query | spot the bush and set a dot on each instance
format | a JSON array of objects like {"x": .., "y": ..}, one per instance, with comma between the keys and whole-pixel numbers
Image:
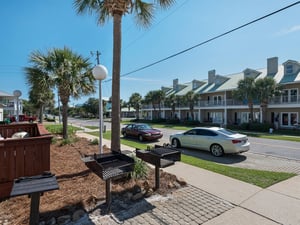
[
  {"x": 140, "y": 168},
  {"x": 95, "y": 141},
  {"x": 259, "y": 127},
  {"x": 68, "y": 141},
  {"x": 191, "y": 122}
]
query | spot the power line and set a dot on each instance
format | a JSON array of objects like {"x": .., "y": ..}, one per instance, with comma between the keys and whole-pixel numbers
[
  {"x": 209, "y": 40},
  {"x": 155, "y": 25}
]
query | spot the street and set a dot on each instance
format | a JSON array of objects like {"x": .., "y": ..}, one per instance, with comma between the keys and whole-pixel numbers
[{"x": 264, "y": 154}]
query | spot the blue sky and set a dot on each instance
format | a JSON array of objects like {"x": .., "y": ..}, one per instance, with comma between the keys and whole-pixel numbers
[{"x": 32, "y": 25}]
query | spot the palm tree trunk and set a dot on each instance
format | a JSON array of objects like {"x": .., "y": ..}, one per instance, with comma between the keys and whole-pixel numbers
[
  {"x": 115, "y": 128},
  {"x": 65, "y": 119},
  {"x": 250, "y": 105},
  {"x": 41, "y": 113}
]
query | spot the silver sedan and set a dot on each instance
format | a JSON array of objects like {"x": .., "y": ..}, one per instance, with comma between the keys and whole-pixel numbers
[{"x": 214, "y": 139}]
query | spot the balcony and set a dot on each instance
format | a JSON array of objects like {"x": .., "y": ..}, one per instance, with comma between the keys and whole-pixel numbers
[{"x": 279, "y": 100}]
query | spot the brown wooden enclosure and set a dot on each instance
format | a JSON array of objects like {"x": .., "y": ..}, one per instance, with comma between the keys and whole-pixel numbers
[{"x": 23, "y": 156}]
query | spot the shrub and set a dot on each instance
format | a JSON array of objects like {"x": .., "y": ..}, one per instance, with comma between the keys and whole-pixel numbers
[
  {"x": 140, "y": 168},
  {"x": 95, "y": 141}
]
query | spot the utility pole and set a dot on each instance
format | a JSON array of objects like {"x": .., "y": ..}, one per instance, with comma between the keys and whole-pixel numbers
[{"x": 97, "y": 56}]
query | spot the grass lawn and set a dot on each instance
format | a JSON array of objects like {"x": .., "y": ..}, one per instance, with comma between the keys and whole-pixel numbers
[
  {"x": 257, "y": 177},
  {"x": 276, "y": 137}
]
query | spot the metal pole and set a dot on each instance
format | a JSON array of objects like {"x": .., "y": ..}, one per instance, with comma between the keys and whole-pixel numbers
[
  {"x": 100, "y": 119},
  {"x": 18, "y": 105}
]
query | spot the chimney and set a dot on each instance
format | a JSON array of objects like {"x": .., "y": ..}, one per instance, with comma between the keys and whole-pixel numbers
[
  {"x": 175, "y": 84},
  {"x": 272, "y": 66},
  {"x": 211, "y": 76}
]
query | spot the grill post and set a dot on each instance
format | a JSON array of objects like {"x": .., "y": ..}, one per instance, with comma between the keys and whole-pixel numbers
[
  {"x": 108, "y": 194},
  {"x": 157, "y": 184},
  {"x": 160, "y": 157}
]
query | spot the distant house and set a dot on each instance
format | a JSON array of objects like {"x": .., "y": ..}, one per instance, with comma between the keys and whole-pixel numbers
[
  {"x": 9, "y": 104},
  {"x": 217, "y": 104},
  {"x": 1, "y": 112}
]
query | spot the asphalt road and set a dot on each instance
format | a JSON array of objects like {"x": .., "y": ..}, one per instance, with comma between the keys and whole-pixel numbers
[
  {"x": 277, "y": 148},
  {"x": 265, "y": 154}
]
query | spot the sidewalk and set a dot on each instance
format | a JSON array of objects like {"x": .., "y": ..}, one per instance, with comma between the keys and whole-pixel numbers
[{"x": 226, "y": 201}]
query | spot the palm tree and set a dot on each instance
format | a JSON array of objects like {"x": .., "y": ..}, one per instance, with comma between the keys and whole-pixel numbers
[
  {"x": 246, "y": 91},
  {"x": 64, "y": 70},
  {"x": 149, "y": 99},
  {"x": 170, "y": 101},
  {"x": 158, "y": 97},
  {"x": 191, "y": 98},
  {"x": 135, "y": 101},
  {"x": 266, "y": 88},
  {"x": 117, "y": 9},
  {"x": 39, "y": 95}
]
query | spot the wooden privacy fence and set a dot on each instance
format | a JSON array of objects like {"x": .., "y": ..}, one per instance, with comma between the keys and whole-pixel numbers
[{"x": 21, "y": 157}]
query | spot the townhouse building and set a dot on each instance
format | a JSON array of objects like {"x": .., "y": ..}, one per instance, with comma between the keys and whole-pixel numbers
[{"x": 217, "y": 104}]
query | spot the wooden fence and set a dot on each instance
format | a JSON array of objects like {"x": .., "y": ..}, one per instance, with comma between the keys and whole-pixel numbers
[{"x": 23, "y": 156}]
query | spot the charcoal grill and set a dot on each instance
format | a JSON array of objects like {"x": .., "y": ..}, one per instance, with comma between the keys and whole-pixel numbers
[
  {"x": 109, "y": 166},
  {"x": 160, "y": 157}
]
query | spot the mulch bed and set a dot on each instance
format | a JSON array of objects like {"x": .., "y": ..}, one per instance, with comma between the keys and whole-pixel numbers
[{"x": 79, "y": 188}]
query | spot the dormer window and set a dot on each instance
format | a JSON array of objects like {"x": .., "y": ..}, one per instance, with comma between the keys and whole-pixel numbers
[{"x": 289, "y": 69}]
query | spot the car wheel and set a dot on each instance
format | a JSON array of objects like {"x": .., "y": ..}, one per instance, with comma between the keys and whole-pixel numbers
[
  {"x": 216, "y": 150},
  {"x": 175, "y": 143},
  {"x": 141, "y": 138},
  {"x": 124, "y": 135}
]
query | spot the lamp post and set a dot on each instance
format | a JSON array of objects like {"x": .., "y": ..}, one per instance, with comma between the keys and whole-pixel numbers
[
  {"x": 17, "y": 94},
  {"x": 100, "y": 73}
]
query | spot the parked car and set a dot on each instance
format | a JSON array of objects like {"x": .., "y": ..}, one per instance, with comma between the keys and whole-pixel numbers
[
  {"x": 214, "y": 139},
  {"x": 142, "y": 131},
  {"x": 23, "y": 118}
]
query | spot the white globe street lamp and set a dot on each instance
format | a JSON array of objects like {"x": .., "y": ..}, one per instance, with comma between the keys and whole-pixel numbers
[
  {"x": 100, "y": 73},
  {"x": 17, "y": 94}
]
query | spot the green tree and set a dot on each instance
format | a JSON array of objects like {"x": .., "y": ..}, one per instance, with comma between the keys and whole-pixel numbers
[
  {"x": 135, "y": 102},
  {"x": 104, "y": 9},
  {"x": 65, "y": 71},
  {"x": 191, "y": 98},
  {"x": 40, "y": 94},
  {"x": 171, "y": 101},
  {"x": 266, "y": 88},
  {"x": 246, "y": 91},
  {"x": 158, "y": 97},
  {"x": 28, "y": 107},
  {"x": 91, "y": 106},
  {"x": 149, "y": 99}
]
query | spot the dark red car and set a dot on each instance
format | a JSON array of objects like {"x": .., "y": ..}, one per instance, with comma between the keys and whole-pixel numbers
[{"x": 143, "y": 132}]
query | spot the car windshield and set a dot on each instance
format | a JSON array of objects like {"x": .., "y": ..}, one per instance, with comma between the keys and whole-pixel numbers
[
  {"x": 227, "y": 131},
  {"x": 144, "y": 127}
]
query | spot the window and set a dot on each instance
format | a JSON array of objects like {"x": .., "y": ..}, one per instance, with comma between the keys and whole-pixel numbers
[
  {"x": 294, "y": 94},
  {"x": 204, "y": 132},
  {"x": 289, "y": 118},
  {"x": 290, "y": 95},
  {"x": 285, "y": 119},
  {"x": 289, "y": 69},
  {"x": 218, "y": 100},
  {"x": 285, "y": 95},
  {"x": 217, "y": 117},
  {"x": 192, "y": 132},
  {"x": 245, "y": 117},
  {"x": 293, "y": 118}
]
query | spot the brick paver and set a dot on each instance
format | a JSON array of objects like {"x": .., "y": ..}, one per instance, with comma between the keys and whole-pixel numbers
[{"x": 188, "y": 205}]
